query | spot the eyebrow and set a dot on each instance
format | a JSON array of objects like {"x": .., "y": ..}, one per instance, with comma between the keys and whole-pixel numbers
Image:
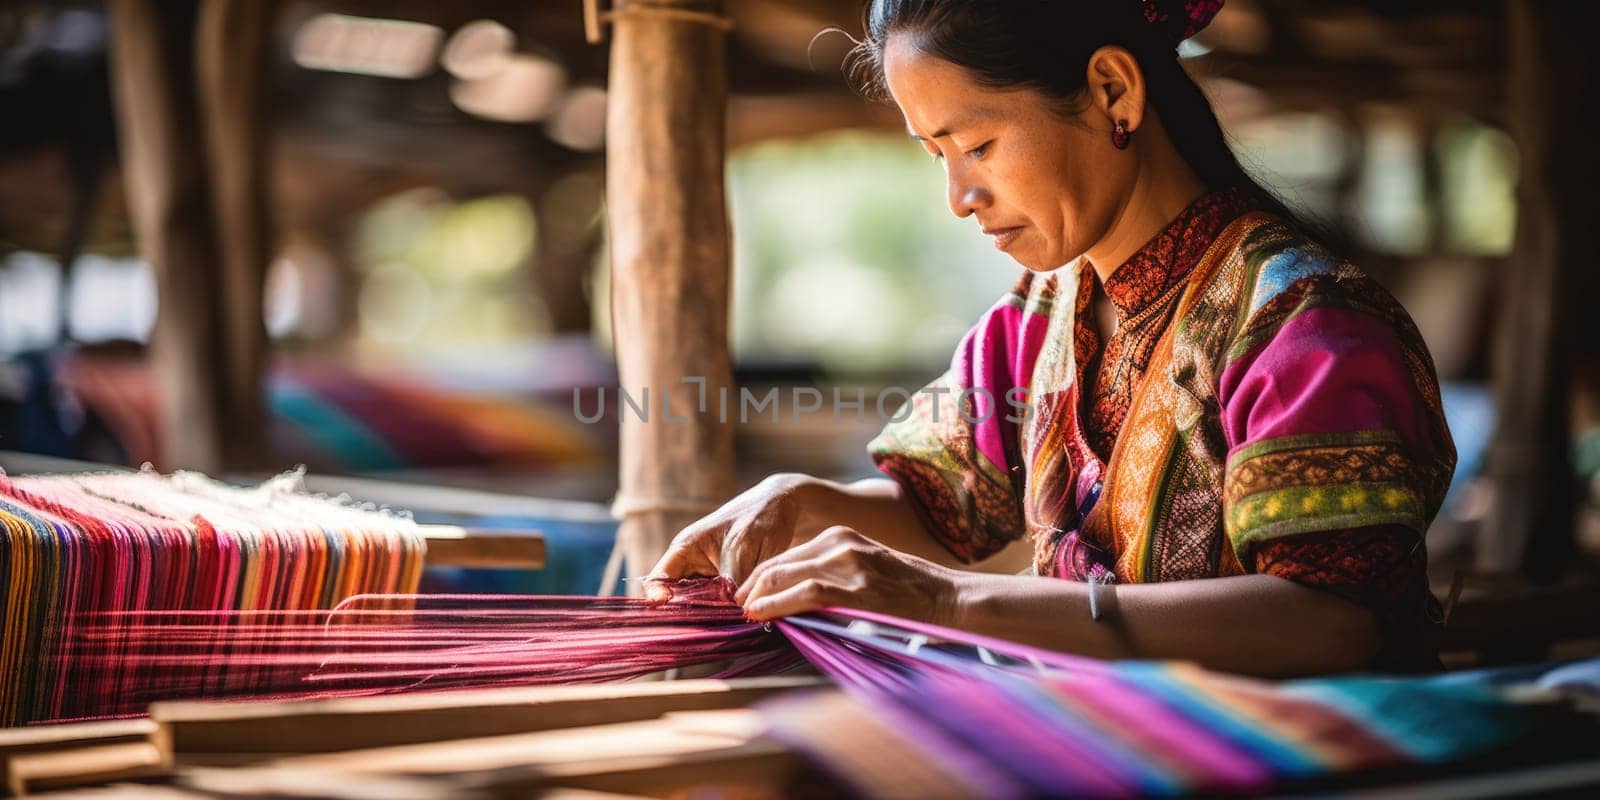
[{"x": 960, "y": 122}]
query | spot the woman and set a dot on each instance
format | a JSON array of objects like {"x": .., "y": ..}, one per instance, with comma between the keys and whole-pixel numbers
[{"x": 1234, "y": 442}]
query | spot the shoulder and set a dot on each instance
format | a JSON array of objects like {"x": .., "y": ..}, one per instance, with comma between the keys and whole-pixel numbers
[
  {"x": 1282, "y": 274},
  {"x": 1276, "y": 261}
]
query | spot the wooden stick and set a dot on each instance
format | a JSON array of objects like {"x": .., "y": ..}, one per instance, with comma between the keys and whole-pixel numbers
[
  {"x": 84, "y": 766},
  {"x": 453, "y": 546},
  {"x": 321, "y": 784},
  {"x": 36, "y": 738},
  {"x": 756, "y": 761},
  {"x": 75, "y": 754},
  {"x": 661, "y": 736},
  {"x": 678, "y": 751},
  {"x": 200, "y": 732}
]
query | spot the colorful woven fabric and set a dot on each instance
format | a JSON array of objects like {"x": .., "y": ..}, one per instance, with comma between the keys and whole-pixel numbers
[
  {"x": 968, "y": 716},
  {"x": 1256, "y": 391}
]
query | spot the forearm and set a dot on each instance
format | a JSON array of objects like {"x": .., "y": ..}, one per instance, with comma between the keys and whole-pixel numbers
[{"x": 1253, "y": 624}]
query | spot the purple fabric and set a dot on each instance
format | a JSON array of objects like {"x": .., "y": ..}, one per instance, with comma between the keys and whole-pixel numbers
[{"x": 1328, "y": 370}]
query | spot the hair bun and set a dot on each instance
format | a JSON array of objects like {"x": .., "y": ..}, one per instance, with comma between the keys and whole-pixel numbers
[{"x": 1179, "y": 19}]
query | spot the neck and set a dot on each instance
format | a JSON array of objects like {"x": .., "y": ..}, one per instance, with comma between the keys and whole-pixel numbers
[{"x": 1165, "y": 186}]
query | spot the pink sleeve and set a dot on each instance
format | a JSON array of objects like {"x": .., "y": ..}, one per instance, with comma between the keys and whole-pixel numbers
[{"x": 1332, "y": 422}]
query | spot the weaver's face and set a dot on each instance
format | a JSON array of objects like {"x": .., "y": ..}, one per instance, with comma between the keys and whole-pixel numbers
[{"x": 1042, "y": 185}]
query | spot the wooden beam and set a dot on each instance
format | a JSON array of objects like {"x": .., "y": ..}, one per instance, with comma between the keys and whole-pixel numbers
[
  {"x": 679, "y": 751},
  {"x": 188, "y": 123},
  {"x": 452, "y": 546},
  {"x": 1303, "y": 83},
  {"x": 152, "y": 69},
  {"x": 1541, "y": 332},
  {"x": 670, "y": 266},
  {"x": 215, "y": 783},
  {"x": 86, "y": 766},
  {"x": 760, "y": 767},
  {"x": 655, "y": 758},
  {"x": 233, "y": 54},
  {"x": 40, "y": 738},
  {"x": 243, "y": 732},
  {"x": 77, "y": 754}
]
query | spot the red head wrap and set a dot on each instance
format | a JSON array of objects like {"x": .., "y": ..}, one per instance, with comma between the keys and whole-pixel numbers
[{"x": 1180, "y": 19}]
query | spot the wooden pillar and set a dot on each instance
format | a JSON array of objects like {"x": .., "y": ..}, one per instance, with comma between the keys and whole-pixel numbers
[
  {"x": 233, "y": 44},
  {"x": 152, "y": 67},
  {"x": 171, "y": 97},
  {"x": 1552, "y": 64},
  {"x": 670, "y": 265}
]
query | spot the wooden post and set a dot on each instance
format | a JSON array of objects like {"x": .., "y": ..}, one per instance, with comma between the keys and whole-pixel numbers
[
  {"x": 206, "y": 363},
  {"x": 1551, "y": 81},
  {"x": 670, "y": 266},
  {"x": 233, "y": 50},
  {"x": 168, "y": 199}
]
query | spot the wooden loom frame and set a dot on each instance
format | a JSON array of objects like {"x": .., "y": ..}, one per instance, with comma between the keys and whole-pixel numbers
[{"x": 646, "y": 736}]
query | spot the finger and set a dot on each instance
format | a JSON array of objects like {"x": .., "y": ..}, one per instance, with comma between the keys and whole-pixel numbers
[
  {"x": 811, "y": 551},
  {"x": 756, "y": 538},
  {"x": 775, "y": 578},
  {"x": 843, "y": 566},
  {"x": 693, "y": 552},
  {"x": 809, "y": 594},
  {"x": 684, "y": 559}
]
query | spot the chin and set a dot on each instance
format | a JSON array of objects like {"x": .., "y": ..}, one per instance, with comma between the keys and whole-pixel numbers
[{"x": 1037, "y": 262}]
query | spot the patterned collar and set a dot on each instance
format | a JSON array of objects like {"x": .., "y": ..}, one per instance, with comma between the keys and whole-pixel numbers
[{"x": 1164, "y": 261}]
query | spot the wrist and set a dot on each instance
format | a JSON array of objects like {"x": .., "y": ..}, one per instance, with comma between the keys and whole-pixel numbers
[{"x": 960, "y": 596}]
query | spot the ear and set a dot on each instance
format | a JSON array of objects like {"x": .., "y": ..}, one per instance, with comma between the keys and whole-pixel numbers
[{"x": 1116, "y": 86}]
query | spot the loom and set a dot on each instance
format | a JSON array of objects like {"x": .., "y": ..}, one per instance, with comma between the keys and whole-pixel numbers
[{"x": 264, "y": 641}]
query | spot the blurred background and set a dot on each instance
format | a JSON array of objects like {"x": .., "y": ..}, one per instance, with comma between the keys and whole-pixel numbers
[{"x": 438, "y": 282}]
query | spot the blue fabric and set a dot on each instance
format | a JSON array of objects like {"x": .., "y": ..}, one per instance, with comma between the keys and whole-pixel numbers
[{"x": 1431, "y": 721}]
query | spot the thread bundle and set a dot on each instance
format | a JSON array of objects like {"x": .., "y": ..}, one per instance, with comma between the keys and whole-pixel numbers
[
  {"x": 78, "y": 551},
  {"x": 973, "y": 716},
  {"x": 380, "y": 644}
]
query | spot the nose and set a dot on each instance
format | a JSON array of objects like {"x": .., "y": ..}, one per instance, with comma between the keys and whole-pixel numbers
[{"x": 964, "y": 195}]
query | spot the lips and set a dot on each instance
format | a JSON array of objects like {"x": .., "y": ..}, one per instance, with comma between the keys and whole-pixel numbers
[{"x": 1004, "y": 237}]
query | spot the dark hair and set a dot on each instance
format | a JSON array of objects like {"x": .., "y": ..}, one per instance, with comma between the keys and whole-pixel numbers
[{"x": 1045, "y": 45}]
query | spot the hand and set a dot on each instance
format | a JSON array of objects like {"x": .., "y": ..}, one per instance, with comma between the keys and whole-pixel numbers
[
  {"x": 841, "y": 567},
  {"x": 747, "y": 530}
]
